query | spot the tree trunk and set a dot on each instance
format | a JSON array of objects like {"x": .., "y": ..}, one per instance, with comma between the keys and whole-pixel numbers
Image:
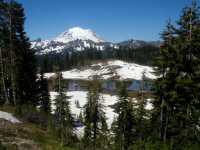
[
  {"x": 62, "y": 135},
  {"x": 12, "y": 59},
  {"x": 2, "y": 76},
  {"x": 165, "y": 130},
  {"x": 161, "y": 111},
  {"x": 124, "y": 129}
]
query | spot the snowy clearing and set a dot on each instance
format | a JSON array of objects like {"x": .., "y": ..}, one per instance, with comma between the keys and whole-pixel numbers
[
  {"x": 112, "y": 69},
  {"x": 8, "y": 117},
  {"x": 81, "y": 96}
]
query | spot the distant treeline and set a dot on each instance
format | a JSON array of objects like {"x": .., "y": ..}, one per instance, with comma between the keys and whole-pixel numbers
[{"x": 68, "y": 60}]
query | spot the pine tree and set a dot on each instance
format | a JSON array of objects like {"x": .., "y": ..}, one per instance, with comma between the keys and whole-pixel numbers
[
  {"x": 2, "y": 52},
  {"x": 12, "y": 39},
  {"x": 4, "y": 34},
  {"x": 142, "y": 117},
  {"x": 95, "y": 132},
  {"x": 43, "y": 98},
  {"x": 166, "y": 68},
  {"x": 43, "y": 94},
  {"x": 3, "y": 79},
  {"x": 176, "y": 107},
  {"x": 18, "y": 59},
  {"x": 22, "y": 59},
  {"x": 62, "y": 111},
  {"x": 186, "y": 83},
  {"x": 123, "y": 130},
  {"x": 80, "y": 117}
]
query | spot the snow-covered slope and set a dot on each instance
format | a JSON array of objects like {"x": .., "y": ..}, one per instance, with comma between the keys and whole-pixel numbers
[
  {"x": 74, "y": 39},
  {"x": 115, "y": 69},
  {"x": 8, "y": 117}
]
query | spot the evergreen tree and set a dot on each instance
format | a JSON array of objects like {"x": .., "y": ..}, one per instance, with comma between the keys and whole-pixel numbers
[
  {"x": 186, "y": 108},
  {"x": 43, "y": 94},
  {"x": 166, "y": 83},
  {"x": 80, "y": 117},
  {"x": 142, "y": 117},
  {"x": 62, "y": 110},
  {"x": 95, "y": 132},
  {"x": 43, "y": 98},
  {"x": 176, "y": 107},
  {"x": 18, "y": 60},
  {"x": 123, "y": 130},
  {"x": 23, "y": 63},
  {"x": 3, "y": 27}
]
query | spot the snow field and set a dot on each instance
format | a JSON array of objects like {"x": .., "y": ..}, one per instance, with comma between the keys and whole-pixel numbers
[{"x": 125, "y": 71}]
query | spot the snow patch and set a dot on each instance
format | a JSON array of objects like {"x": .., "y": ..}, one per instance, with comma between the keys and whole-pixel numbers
[
  {"x": 149, "y": 105},
  {"x": 86, "y": 44},
  {"x": 8, "y": 117}
]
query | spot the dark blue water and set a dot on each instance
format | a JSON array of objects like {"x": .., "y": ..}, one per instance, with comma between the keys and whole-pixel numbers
[
  {"x": 135, "y": 85},
  {"x": 74, "y": 85},
  {"x": 109, "y": 85},
  {"x": 80, "y": 85}
]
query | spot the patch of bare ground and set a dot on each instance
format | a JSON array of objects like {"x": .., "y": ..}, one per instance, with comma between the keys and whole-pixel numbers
[{"x": 18, "y": 136}]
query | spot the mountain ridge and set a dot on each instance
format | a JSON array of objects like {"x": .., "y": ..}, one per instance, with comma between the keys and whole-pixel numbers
[{"x": 78, "y": 39}]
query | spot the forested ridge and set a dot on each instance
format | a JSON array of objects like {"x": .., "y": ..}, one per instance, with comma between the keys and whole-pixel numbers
[
  {"x": 173, "y": 122},
  {"x": 69, "y": 60}
]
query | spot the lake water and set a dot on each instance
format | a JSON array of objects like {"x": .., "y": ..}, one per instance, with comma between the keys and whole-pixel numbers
[{"x": 82, "y": 85}]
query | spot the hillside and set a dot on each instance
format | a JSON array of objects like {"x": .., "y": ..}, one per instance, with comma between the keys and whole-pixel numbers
[
  {"x": 108, "y": 70},
  {"x": 21, "y": 134}
]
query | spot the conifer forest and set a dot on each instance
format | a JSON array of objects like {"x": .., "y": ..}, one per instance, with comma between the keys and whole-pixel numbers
[{"x": 105, "y": 111}]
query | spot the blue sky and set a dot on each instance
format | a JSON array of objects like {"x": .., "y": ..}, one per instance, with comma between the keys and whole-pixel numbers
[{"x": 114, "y": 20}]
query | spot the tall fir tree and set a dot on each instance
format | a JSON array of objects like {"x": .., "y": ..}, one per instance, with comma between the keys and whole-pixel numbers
[
  {"x": 43, "y": 94},
  {"x": 63, "y": 111},
  {"x": 18, "y": 59},
  {"x": 142, "y": 116},
  {"x": 187, "y": 110},
  {"x": 95, "y": 132},
  {"x": 3, "y": 27},
  {"x": 166, "y": 68},
  {"x": 176, "y": 107},
  {"x": 125, "y": 122}
]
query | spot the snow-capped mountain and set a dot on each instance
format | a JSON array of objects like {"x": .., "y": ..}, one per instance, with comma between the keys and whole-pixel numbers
[
  {"x": 75, "y": 39},
  {"x": 78, "y": 39},
  {"x": 78, "y": 33}
]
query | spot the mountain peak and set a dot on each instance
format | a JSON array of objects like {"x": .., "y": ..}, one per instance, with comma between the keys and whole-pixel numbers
[
  {"x": 78, "y": 39},
  {"x": 78, "y": 29},
  {"x": 78, "y": 33}
]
